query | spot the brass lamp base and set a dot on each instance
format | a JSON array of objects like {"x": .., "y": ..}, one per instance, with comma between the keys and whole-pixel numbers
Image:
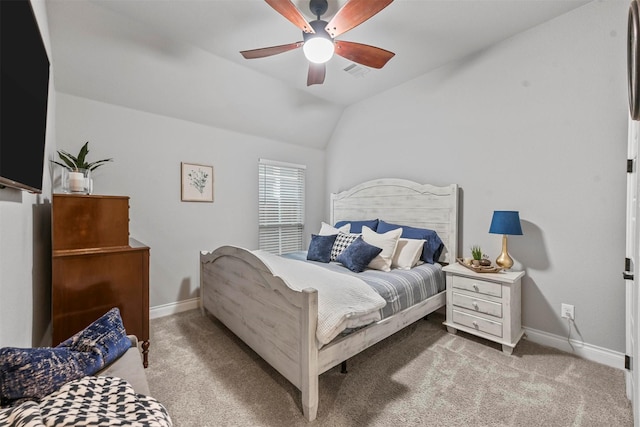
[{"x": 504, "y": 260}]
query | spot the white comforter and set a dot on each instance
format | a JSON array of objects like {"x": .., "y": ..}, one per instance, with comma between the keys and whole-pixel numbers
[{"x": 344, "y": 301}]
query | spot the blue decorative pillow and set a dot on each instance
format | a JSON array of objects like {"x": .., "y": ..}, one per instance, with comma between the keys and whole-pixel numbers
[
  {"x": 356, "y": 226},
  {"x": 433, "y": 246},
  {"x": 358, "y": 255},
  {"x": 32, "y": 373},
  {"x": 342, "y": 242},
  {"x": 320, "y": 247},
  {"x": 106, "y": 337}
]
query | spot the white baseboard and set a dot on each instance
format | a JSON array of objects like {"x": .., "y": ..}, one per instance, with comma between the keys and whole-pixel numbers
[
  {"x": 173, "y": 308},
  {"x": 586, "y": 351}
]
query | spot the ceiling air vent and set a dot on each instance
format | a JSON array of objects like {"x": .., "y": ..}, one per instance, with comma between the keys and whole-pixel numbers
[{"x": 357, "y": 70}]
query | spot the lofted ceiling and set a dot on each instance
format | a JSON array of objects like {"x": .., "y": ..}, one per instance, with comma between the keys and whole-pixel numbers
[{"x": 181, "y": 58}]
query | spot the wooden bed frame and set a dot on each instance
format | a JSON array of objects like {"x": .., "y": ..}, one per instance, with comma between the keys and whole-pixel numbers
[{"x": 279, "y": 323}]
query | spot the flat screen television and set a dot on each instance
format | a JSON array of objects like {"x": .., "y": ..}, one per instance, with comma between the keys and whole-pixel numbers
[{"x": 24, "y": 88}]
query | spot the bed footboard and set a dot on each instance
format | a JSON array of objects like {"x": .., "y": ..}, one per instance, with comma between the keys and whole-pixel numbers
[{"x": 277, "y": 322}]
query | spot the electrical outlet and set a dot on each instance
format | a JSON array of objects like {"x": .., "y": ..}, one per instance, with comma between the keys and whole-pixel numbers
[{"x": 566, "y": 311}]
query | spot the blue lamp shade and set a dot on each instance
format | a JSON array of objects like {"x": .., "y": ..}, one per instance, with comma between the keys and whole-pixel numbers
[{"x": 505, "y": 222}]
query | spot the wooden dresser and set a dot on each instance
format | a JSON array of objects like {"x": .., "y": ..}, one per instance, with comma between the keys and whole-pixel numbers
[{"x": 96, "y": 266}]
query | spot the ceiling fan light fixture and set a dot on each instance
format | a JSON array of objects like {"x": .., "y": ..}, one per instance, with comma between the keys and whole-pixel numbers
[
  {"x": 318, "y": 47},
  {"x": 318, "y": 50}
]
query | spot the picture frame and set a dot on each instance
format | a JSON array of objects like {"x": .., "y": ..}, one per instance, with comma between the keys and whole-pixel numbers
[{"x": 196, "y": 182}]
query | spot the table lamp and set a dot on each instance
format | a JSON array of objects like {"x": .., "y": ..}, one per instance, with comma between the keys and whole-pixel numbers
[{"x": 505, "y": 223}]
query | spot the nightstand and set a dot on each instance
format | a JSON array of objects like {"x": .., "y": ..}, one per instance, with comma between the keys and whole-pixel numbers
[{"x": 487, "y": 305}]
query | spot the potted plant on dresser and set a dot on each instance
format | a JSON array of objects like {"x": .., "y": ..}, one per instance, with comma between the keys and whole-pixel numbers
[{"x": 76, "y": 172}]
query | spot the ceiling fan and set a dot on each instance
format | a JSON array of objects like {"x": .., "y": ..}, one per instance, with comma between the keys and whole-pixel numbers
[{"x": 318, "y": 36}]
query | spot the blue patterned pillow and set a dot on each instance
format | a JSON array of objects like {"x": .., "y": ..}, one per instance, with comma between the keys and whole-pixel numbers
[
  {"x": 32, "y": 373},
  {"x": 320, "y": 247},
  {"x": 106, "y": 337},
  {"x": 358, "y": 255}
]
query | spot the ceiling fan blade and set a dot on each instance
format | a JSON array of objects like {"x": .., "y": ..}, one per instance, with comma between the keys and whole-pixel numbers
[
  {"x": 268, "y": 51},
  {"x": 287, "y": 9},
  {"x": 364, "y": 54},
  {"x": 354, "y": 13},
  {"x": 316, "y": 74}
]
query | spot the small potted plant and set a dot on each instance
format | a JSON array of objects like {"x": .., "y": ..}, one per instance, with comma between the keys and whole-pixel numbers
[
  {"x": 76, "y": 177},
  {"x": 476, "y": 253}
]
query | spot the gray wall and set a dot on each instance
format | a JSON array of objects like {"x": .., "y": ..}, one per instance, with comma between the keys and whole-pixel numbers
[
  {"x": 538, "y": 124},
  {"x": 25, "y": 244},
  {"x": 147, "y": 151}
]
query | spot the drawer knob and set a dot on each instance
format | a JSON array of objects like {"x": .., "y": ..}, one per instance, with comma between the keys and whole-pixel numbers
[
  {"x": 475, "y": 287},
  {"x": 475, "y": 324},
  {"x": 475, "y": 305}
]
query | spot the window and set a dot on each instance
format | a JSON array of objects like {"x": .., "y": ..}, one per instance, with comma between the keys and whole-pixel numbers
[{"x": 281, "y": 206}]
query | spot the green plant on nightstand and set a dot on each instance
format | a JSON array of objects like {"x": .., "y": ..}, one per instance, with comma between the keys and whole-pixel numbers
[{"x": 479, "y": 259}]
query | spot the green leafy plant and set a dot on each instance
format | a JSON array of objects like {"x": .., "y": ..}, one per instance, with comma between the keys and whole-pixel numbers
[
  {"x": 476, "y": 252},
  {"x": 71, "y": 162}
]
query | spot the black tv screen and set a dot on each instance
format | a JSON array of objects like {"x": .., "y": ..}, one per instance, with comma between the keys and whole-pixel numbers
[{"x": 24, "y": 87}]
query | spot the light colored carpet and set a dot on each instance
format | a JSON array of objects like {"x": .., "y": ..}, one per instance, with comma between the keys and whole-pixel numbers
[{"x": 421, "y": 376}]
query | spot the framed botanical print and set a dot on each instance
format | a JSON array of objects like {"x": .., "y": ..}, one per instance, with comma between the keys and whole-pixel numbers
[{"x": 196, "y": 182}]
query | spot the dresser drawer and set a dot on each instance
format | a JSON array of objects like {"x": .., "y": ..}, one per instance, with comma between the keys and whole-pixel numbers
[
  {"x": 478, "y": 323},
  {"x": 477, "y": 304},
  {"x": 479, "y": 286}
]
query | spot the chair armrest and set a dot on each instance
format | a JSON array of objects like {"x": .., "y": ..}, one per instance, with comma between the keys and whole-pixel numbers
[
  {"x": 129, "y": 367},
  {"x": 134, "y": 340}
]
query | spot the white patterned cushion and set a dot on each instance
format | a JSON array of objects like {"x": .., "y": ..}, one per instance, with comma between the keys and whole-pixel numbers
[{"x": 342, "y": 242}]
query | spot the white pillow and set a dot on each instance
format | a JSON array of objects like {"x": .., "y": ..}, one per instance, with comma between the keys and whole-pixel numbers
[
  {"x": 386, "y": 241},
  {"x": 329, "y": 230},
  {"x": 407, "y": 253}
]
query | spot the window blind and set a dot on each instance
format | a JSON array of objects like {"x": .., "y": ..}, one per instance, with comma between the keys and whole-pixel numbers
[{"x": 281, "y": 206}]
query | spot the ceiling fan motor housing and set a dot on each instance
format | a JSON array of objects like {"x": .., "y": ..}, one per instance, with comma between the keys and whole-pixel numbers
[
  {"x": 318, "y": 7},
  {"x": 319, "y": 27}
]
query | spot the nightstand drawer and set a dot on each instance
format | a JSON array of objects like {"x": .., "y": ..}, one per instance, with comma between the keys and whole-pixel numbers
[
  {"x": 477, "y": 323},
  {"x": 479, "y": 286},
  {"x": 477, "y": 304}
]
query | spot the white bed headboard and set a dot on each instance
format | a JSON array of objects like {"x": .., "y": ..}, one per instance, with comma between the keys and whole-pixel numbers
[{"x": 405, "y": 202}]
